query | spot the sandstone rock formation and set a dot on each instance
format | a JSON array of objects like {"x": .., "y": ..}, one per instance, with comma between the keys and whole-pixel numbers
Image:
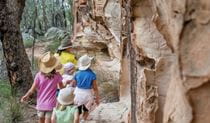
[
  {"x": 166, "y": 32},
  {"x": 162, "y": 46},
  {"x": 97, "y": 31}
]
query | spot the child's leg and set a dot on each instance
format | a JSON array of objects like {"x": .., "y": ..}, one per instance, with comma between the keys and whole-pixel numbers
[
  {"x": 85, "y": 112},
  {"x": 85, "y": 115},
  {"x": 41, "y": 116},
  {"x": 41, "y": 119},
  {"x": 80, "y": 110},
  {"x": 47, "y": 120},
  {"x": 48, "y": 115}
]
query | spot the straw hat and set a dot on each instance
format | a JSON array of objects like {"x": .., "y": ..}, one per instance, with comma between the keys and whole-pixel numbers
[
  {"x": 66, "y": 96},
  {"x": 84, "y": 62},
  {"x": 48, "y": 62}
]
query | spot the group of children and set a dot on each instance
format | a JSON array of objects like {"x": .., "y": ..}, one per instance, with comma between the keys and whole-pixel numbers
[{"x": 77, "y": 95}]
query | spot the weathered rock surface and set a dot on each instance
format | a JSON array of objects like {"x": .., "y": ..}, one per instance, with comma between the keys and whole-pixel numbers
[
  {"x": 109, "y": 113},
  {"x": 173, "y": 37},
  {"x": 167, "y": 81},
  {"x": 98, "y": 33}
]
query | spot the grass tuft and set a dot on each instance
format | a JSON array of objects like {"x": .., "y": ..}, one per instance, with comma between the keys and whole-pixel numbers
[
  {"x": 28, "y": 43},
  {"x": 11, "y": 111}
]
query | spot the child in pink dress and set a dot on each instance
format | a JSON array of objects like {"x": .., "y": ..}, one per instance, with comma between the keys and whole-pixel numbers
[{"x": 45, "y": 83}]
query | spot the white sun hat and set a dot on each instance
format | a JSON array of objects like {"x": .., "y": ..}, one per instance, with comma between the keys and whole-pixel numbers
[
  {"x": 68, "y": 66},
  {"x": 66, "y": 96},
  {"x": 84, "y": 62}
]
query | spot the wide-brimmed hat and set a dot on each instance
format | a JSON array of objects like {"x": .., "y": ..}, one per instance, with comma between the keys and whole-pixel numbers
[
  {"x": 66, "y": 96},
  {"x": 84, "y": 62},
  {"x": 48, "y": 62},
  {"x": 68, "y": 66}
]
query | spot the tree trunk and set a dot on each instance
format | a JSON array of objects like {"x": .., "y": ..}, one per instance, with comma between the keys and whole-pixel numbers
[
  {"x": 64, "y": 14},
  {"x": 75, "y": 17},
  {"x": 44, "y": 16},
  {"x": 71, "y": 15},
  {"x": 52, "y": 14},
  {"x": 34, "y": 33},
  {"x": 57, "y": 2},
  {"x": 17, "y": 61},
  {"x": 132, "y": 64}
]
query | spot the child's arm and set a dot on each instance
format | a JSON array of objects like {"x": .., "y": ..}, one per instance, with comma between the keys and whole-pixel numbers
[
  {"x": 72, "y": 83},
  {"x": 61, "y": 85},
  {"x": 95, "y": 89},
  {"x": 29, "y": 93},
  {"x": 76, "y": 117},
  {"x": 53, "y": 118}
]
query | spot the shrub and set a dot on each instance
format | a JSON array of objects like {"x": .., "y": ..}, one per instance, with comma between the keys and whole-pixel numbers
[
  {"x": 27, "y": 40},
  {"x": 10, "y": 108},
  {"x": 55, "y": 34},
  {"x": 28, "y": 43},
  {"x": 14, "y": 114},
  {"x": 53, "y": 46},
  {"x": 5, "y": 89}
]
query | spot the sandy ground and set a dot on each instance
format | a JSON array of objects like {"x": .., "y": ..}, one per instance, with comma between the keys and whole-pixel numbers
[{"x": 38, "y": 49}]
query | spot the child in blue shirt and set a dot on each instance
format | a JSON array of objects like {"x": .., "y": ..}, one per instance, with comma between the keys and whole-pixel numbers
[{"x": 85, "y": 80}]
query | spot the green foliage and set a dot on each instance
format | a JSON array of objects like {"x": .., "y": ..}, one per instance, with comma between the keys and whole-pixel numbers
[
  {"x": 53, "y": 46},
  {"x": 10, "y": 108},
  {"x": 27, "y": 18},
  {"x": 53, "y": 9},
  {"x": 55, "y": 34},
  {"x": 5, "y": 89},
  {"x": 69, "y": 15},
  {"x": 28, "y": 43},
  {"x": 27, "y": 40},
  {"x": 14, "y": 114}
]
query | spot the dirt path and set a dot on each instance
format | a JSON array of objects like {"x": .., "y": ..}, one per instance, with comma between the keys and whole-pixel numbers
[
  {"x": 30, "y": 115},
  {"x": 38, "y": 49}
]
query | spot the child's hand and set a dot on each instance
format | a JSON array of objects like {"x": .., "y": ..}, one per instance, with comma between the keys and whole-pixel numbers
[
  {"x": 69, "y": 81},
  {"x": 24, "y": 98},
  {"x": 97, "y": 101}
]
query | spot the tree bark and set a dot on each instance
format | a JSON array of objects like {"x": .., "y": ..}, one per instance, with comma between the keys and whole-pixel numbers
[
  {"x": 17, "y": 62},
  {"x": 52, "y": 14},
  {"x": 64, "y": 14},
  {"x": 34, "y": 33},
  {"x": 44, "y": 16},
  {"x": 74, "y": 11},
  {"x": 132, "y": 64}
]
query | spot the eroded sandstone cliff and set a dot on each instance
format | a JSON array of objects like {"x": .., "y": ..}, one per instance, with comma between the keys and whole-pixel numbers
[
  {"x": 174, "y": 35},
  {"x": 163, "y": 49}
]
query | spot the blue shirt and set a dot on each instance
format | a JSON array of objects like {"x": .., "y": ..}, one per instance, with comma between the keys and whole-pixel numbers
[{"x": 85, "y": 78}]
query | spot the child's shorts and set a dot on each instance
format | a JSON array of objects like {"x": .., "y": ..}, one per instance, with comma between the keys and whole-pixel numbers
[{"x": 44, "y": 114}]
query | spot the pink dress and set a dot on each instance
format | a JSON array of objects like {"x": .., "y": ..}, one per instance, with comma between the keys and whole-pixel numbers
[{"x": 46, "y": 91}]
